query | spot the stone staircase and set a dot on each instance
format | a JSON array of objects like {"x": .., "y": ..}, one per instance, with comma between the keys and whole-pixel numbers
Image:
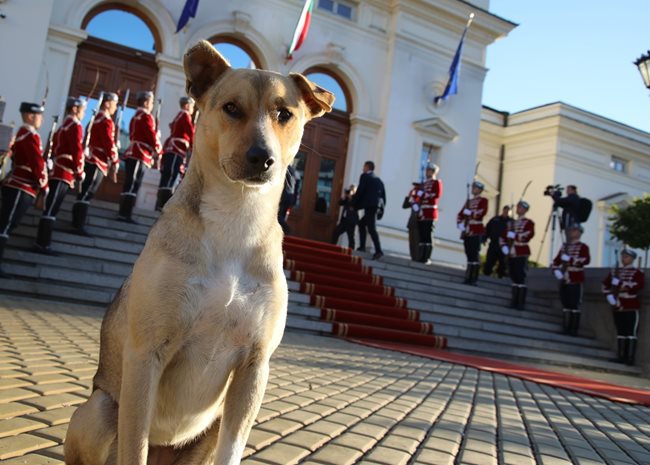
[{"x": 474, "y": 319}]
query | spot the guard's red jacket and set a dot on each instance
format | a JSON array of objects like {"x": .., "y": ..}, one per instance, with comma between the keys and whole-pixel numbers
[
  {"x": 524, "y": 230},
  {"x": 631, "y": 281},
  {"x": 102, "y": 148},
  {"x": 144, "y": 144},
  {"x": 426, "y": 197},
  {"x": 181, "y": 136},
  {"x": 67, "y": 152},
  {"x": 478, "y": 207},
  {"x": 571, "y": 260},
  {"x": 29, "y": 172}
]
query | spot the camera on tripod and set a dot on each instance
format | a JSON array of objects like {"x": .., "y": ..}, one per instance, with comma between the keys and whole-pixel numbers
[{"x": 554, "y": 191}]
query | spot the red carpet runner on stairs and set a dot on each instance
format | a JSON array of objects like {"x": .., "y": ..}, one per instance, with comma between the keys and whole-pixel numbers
[
  {"x": 365, "y": 311},
  {"x": 354, "y": 300}
]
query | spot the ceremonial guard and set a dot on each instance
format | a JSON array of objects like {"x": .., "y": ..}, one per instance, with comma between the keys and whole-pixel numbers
[
  {"x": 621, "y": 288},
  {"x": 175, "y": 150},
  {"x": 142, "y": 152},
  {"x": 470, "y": 223},
  {"x": 68, "y": 167},
  {"x": 514, "y": 245},
  {"x": 102, "y": 157},
  {"x": 425, "y": 204},
  {"x": 568, "y": 270},
  {"x": 28, "y": 175}
]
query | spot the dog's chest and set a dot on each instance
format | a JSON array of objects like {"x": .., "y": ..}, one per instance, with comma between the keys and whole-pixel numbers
[{"x": 232, "y": 306}]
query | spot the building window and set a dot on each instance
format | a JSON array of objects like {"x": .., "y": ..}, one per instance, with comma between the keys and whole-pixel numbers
[
  {"x": 618, "y": 164},
  {"x": 338, "y": 7},
  {"x": 428, "y": 153}
]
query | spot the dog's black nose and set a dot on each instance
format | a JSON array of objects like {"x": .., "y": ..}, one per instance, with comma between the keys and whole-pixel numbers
[{"x": 259, "y": 157}]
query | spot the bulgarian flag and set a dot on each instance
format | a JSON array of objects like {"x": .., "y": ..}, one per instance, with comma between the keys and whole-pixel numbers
[{"x": 302, "y": 28}]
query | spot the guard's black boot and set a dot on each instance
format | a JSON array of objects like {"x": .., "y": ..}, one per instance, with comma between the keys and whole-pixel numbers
[
  {"x": 79, "y": 216},
  {"x": 422, "y": 252},
  {"x": 631, "y": 351},
  {"x": 575, "y": 323},
  {"x": 163, "y": 196},
  {"x": 468, "y": 274},
  {"x": 44, "y": 236},
  {"x": 521, "y": 300},
  {"x": 515, "y": 296},
  {"x": 127, "y": 202},
  {"x": 3, "y": 242},
  {"x": 476, "y": 269},
  {"x": 621, "y": 349},
  {"x": 566, "y": 320},
  {"x": 427, "y": 252}
]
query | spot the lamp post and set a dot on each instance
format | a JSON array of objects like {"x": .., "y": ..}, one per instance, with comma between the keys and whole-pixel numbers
[{"x": 643, "y": 63}]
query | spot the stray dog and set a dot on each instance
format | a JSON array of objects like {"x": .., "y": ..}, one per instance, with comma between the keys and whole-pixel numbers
[{"x": 185, "y": 345}]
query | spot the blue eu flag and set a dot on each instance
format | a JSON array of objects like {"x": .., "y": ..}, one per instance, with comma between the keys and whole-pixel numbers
[{"x": 189, "y": 11}]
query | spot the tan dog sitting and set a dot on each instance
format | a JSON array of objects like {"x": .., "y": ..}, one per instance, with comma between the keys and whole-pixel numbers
[{"x": 185, "y": 345}]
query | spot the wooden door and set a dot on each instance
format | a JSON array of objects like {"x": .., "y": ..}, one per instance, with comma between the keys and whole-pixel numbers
[{"x": 320, "y": 164}]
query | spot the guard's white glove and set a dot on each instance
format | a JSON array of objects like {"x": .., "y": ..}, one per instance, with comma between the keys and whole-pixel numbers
[
  {"x": 558, "y": 274},
  {"x": 118, "y": 144},
  {"x": 565, "y": 258},
  {"x": 50, "y": 164},
  {"x": 460, "y": 226},
  {"x": 511, "y": 234},
  {"x": 505, "y": 249},
  {"x": 615, "y": 281},
  {"x": 415, "y": 207},
  {"x": 419, "y": 193},
  {"x": 86, "y": 152},
  {"x": 467, "y": 212},
  {"x": 611, "y": 299}
]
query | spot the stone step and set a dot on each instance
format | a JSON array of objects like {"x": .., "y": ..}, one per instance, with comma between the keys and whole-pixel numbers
[
  {"x": 518, "y": 353},
  {"x": 52, "y": 291}
]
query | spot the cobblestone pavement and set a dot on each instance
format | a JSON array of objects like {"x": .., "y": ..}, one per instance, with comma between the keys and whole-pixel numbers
[{"x": 328, "y": 402}]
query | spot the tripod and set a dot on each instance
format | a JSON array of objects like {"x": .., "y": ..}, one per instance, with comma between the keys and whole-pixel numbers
[{"x": 553, "y": 219}]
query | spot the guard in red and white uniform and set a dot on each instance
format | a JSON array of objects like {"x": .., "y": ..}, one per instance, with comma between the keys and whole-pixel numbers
[
  {"x": 175, "y": 150},
  {"x": 470, "y": 223},
  {"x": 514, "y": 245},
  {"x": 102, "y": 157},
  {"x": 28, "y": 175},
  {"x": 621, "y": 288},
  {"x": 143, "y": 150},
  {"x": 68, "y": 159},
  {"x": 424, "y": 202},
  {"x": 568, "y": 269}
]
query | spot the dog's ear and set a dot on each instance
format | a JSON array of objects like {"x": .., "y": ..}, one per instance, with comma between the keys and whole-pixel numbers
[
  {"x": 317, "y": 99},
  {"x": 203, "y": 66}
]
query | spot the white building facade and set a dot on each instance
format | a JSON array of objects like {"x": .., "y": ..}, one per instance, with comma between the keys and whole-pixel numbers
[
  {"x": 391, "y": 57},
  {"x": 609, "y": 163}
]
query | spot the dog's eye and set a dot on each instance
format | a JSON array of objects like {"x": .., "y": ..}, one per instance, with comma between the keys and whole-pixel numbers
[
  {"x": 284, "y": 115},
  {"x": 232, "y": 110}
]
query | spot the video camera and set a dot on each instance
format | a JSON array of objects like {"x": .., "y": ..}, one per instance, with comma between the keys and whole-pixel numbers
[{"x": 554, "y": 191}]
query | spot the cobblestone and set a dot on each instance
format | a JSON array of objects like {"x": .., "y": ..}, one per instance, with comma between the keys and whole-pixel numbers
[{"x": 328, "y": 402}]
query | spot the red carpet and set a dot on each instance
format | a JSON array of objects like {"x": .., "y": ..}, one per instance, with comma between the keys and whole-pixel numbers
[
  {"x": 557, "y": 380},
  {"x": 354, "y": 300}
]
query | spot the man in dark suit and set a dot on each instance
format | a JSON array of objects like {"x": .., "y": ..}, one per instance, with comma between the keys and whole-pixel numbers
[{"x": 371, "y": 198}]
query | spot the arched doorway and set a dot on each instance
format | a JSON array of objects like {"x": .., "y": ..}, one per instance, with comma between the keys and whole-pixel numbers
[
  {"x": 116, "y": 62},
  {"x": 320, "y": 163}
]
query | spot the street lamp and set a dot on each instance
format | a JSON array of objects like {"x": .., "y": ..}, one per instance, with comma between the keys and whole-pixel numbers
[{"x": 643, "y": 63}]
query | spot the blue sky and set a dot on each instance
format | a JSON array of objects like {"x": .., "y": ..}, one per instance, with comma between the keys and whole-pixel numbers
[{"x": 580, "y": 52}]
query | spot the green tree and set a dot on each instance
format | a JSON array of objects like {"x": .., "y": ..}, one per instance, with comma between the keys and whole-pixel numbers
[{"x": 631, "y": 224}]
